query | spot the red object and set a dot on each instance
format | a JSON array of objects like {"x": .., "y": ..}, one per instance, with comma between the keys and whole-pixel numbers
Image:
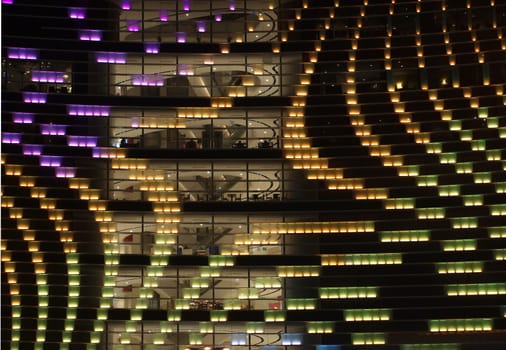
[
  {"x": 129, "y": 238},
  {"x": 127, "y": 288},
  {"x": 274, "y": 306}
]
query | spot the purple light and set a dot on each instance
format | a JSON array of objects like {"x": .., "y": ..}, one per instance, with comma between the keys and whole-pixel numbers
[
  {"x": 77, "y": 13},
  {"x": 90, "y": 34},
  {"x": 11, "y": 137},
  {"x": 34, "y": 97},
  {"x": 152, "y": 47},
  {"x": 135, "y": 122},
  {"x": 102, "y": 152},
  {"x": 88, "y": 110},
  {"x": 217, "y": 16},
  {"x": 181, "y": 37},
  {"x": 164, "y": 15},
  {"x": 186, "y": 5},
  {"x": 82, "y": 141},
  {"x": 97, "y": 153},
  {"x": 126, "y": 5},
  {"x": 54, "y": 161},
  {"x": 32, "y": 150},
  {"x": 66, "y": 172},
  {"x": 201, "y": 26},
  {"x": 22, "y": 53},
  {"x": 22, "y": 118},
  {"x": 53, "y": 129},
  {"x": 147, "y": 79},
  {"x": 184, "y": 69},
  {"x": 133, "y": 25},
  {"x": 111, "y": 57},
  {"x": 8, "y": 2},
  {"x": 231, "y": 5},
  {"x": 45, "y": 76}
]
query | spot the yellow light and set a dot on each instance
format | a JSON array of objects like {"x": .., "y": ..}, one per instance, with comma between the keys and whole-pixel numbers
[
  {"x": 27, "y": 181},
  {"x": 224, "y": 48}
]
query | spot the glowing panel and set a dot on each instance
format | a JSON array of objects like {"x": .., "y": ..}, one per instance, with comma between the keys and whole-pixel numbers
[
  {"x": 42, "y": 76},
  {"x": 22, "y": 53},
  {"x": 88, "y": 110},
  {"x": 111, "y": 57},
  {"x": 22, "y": 118},
  {"x": 90, "y": 35},
  {"x": 77, "y": 12},
  {"x": 34, "y": 97}
]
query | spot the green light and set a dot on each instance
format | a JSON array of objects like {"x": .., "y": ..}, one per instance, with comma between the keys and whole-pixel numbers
[
  {"x": 466, "y": 135},
  {"x": 498, "y": 209},
  {"x": 67, "y": 337},
  {"x": 195, "y": 338},
  {"x": 368, "y": 338},
  {"x": 449, "y": 190},
  {"x": 320, "y": 327},
  {"x": 102, "y": 314},
  {"x": 254, "y": 327},
  {"x": 461, "y": 325},
  {"x": 430, "y": 213},
  {"x": 459, "y": 245},
  {"x": 476, "y": 289},
  {"x": 493, "y": 155},
  {"x": 98, "y": 325},
  {"x": 191, "y": 293},
  {"x": 136, "y": 315},
  {"x": 221, "y": 260},
  {"x": 72, "y": 258},
  {"x": 405, "y": 236},
  {"x": 500, "y": 254},
  {"x": 448, "y": 158},
  {"x": 105, "y": 303},
  {"x": 473, "y": 200},
  {"x": 247, "y": 293},
  {"x": 159, "y": 339},
  {"x": 206, "y": 327},
  {"x": 455, "y": 125},
  {"x": 482, "y": 178},
  {"x": 348, "y": 292},
  {"x": 493, "y": 122},
  {"x": 71, "y": 313},
  {"x": 109, "y": 281},
  {"x": 107, "y": 292},
  {"x": 274, "y": 315},
  {"x": 95, "y": 337},
  {"x": 301, "y": 304},
  {"x": 464, "y": 168},
  {"x": 218, "y": 315},
  {"x": 460, "y": 267},
  {"x": 165, "y": 327},
  {"x": 142, "y": 303},
  {"x": 232, "y": 304},
  {"x": 174, "y": 315},
  {"x": 69, "y": 325},
  {"x": 154, "y": 271},
  {"x": 464, "y": 223},
  {"x": 131, "y": 326}
]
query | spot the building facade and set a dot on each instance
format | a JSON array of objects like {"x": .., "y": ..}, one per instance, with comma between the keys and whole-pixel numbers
[{"x": 268, "y": 174}]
